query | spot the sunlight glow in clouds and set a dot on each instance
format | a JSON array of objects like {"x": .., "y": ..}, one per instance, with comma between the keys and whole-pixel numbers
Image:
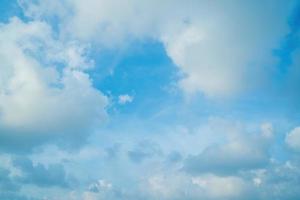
[{"x": 170, "y": 100}]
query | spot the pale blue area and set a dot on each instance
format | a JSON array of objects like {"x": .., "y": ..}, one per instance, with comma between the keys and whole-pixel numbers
[
  {"x": 144, "y": 71},
  {"x": 8, "y": 9}
]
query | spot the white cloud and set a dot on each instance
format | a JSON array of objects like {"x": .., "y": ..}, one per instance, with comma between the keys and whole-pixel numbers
[
  {"x": 167, "y": 186},
  {"x": 267, "y": 130},
  {"x": 226, "y": 45},
  {"x": 100, "y": 186},
  {"x": 177, "y": 185},
  {"x": 43, "y": 86},
  {"x": 293, "y": 139},
  {"x": 220, "y": 47},
  {"x": 257, "y": 181},
  {"x": 124, "y": 99},
  {"x": 221, "y": 187},
  {"x": 229, "y": 158},
  {"x": 238, "y": 150}
]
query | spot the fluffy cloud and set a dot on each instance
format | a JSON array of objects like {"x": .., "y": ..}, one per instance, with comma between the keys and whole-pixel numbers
[
  {"x": 53, "y": 175},
  {"x": 6, "y": 183},
  {"x": 240, "y": 153},
  {"x": 153, "y": 178},
  {"x": 226, "y": 45},
  {"x": 44, "y": 90},
  {"x": 279, "y": 181},
  {"x": 99, "y": 186},
  {"x": 219, "y": 46},
  {"x": 293, "y": 139},
  {"x": 47, "y": 94},
  {"x": 210, "y": 187},
  {"x": 176, "y": 185},
  {"x": 221, "y": 187}
]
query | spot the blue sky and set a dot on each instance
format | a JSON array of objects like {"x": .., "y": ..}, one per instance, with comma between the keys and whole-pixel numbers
[{"x": 168, "y": 100}]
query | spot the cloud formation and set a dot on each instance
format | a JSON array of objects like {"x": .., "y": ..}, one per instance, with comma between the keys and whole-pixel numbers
[
  {"x": 194, "y": 33},
  {"x": 240, "y": 152},
  {"x": 206, "y": 120},
  {"x": 293, "y": 139},
  {"x": 53, "y": 175},
  {"x": 44, "y": 94}
]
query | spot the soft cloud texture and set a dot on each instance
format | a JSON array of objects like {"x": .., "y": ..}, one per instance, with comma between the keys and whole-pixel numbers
[
  {"x": 194, "y": 33},
  {"x": 53, "y": 175},
  {"x": 293, "y": 139},
  {"x": 44, "y": 93},
  {"x": 206, "y": 80},
  {"x": 124, "y": 99}
]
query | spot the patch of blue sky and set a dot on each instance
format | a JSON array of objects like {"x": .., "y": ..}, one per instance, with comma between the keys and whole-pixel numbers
[
  {"x": 290, "y": 42},
  {"x": 142, "y": 71},
  {"x": 8, "y": 9},
  {"x": 161, "y": 117}
]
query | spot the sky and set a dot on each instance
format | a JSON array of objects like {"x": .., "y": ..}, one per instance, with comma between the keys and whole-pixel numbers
[{"x": 149, "y": 100}]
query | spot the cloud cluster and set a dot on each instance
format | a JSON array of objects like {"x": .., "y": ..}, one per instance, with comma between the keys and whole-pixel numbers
[
  {"x": 47, "y": 96},
  {"x": 240, "y": 166},
  {"x": 53, "y": 175},
  {"x": 293, "y": 139},
  {"x": 21, "y": 173},
  {"x": 237, "y": 154},
  {"x": 44, "y": 89},
  {"x": 194, "y": 34}
]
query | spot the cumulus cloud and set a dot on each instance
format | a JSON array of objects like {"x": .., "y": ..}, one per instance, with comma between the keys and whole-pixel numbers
[
  {"x": 293, "y": 139},
  {"x": 167, "y": 186},
  {"x": 47, "y": 95},
  {"x": 279, "y": 180},
  {"x": 218, "y": 46},
  {"x": 221, "y": 187},
  {"x": 225, "y": 45},
  {"x": 44, "y": 90},
  {"x": 99, "y": 186},
  {"x": 228, "y": 158},
  {"x": 6, "y": 182},
  {"x": 119, "y": 178},
  {"x": 53, "y": 175},
  {"x": 240, "y": 153},
  {"x": 176, "y": 185}
]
